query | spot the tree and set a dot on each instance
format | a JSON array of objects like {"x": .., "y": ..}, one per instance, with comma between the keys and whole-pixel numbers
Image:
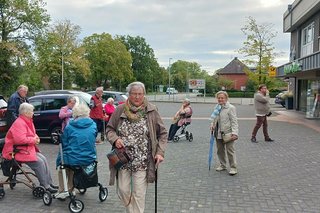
[
  {"x": 109, "y": 61},
  {"x": 21, "y": 21},
  {"x": 182, "y": 71},
  {"x": 59, "y": 53},
  {"x": 258, "y": 48},
  {"x": 144, "y": 63}
]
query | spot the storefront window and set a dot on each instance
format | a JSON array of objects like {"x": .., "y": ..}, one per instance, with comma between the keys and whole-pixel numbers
[{"x": 313, "y": 99}]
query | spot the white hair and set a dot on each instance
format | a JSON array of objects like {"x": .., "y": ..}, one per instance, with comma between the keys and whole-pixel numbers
[
  {"x": 110, "y": 100},
  {"x": 99, "y": 89},
  {"x": 136, "y": 84},
  {"x": 80, "y": 110},
  {"x": 25, "y": 108}
]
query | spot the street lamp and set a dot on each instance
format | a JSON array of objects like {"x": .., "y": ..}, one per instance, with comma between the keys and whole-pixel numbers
[
  {"x": 169, "y": 77},
  {"x": 62, "y": 69}
]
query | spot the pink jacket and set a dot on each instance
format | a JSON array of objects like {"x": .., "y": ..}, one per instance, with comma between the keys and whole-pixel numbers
[
  {"x": 22, "y": 132},
  {"x": 185, "y": 117},
  {"x": 109, "y": 109},
  {"x": 65, "y": 114}
]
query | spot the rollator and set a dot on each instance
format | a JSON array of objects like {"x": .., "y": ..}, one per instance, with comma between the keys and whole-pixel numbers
[
  {"x": 75, "y": 205},
  {"x": 17, "y": 174}
]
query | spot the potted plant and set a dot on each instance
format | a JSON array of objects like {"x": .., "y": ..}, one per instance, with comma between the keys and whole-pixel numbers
[{"x": 288, "y": 98}]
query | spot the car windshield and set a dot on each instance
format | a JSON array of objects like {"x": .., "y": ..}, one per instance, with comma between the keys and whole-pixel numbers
[
  {"x": 85, "y": 96},
  {"x": 123, "y": 97}
]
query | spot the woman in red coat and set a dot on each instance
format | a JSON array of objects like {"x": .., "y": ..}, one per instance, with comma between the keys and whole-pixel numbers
[
  {"x": 23, "y": 135},
  {"x": 109, "y": 108}
]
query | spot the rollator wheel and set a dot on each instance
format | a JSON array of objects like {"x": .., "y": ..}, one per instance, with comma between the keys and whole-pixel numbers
[
  {"x": 190, "y": 137},
  {"x": 82, "y": 191},
  {"x": 38, "y": 192},
  {"x": 2, "y": 193},
  {"x": 76, "y": 205},
  {"x": 103, "y": 193},
  {"x": 176, "y": 139},
  {"x": 47, "y": 198}
]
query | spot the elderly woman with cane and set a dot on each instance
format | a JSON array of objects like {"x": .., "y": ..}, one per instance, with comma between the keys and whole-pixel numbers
[
  {"x": 137, "y": 126},
  {"x": 225, "y": 129}
]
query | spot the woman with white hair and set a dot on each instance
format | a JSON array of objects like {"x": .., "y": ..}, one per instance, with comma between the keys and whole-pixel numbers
[
  {"x": 225, "y": 123},
  {"x": 137, "y": 126},
  {"x": 109, "y": 108},
  {"x": 78, "y": 143},
  {"x": 22, "y": 134}
]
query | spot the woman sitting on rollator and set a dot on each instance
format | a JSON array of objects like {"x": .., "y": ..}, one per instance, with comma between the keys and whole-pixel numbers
[
  {"x": 78, "y": 143},
  {"x": 183, "y": 116}
]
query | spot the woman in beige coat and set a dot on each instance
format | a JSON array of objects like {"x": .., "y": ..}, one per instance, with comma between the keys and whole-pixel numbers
[{"x": 225, "y": 123}]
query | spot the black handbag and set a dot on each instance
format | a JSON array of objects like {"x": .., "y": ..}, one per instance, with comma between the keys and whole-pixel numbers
[{"x": 118, "y": 157}]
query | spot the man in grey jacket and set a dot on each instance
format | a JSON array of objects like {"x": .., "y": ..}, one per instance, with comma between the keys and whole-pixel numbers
[{"x": 262, "y": 107}]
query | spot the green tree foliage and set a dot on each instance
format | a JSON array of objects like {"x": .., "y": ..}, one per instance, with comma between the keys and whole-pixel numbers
[
  {"x": 144, "y": 64},
  {"x": 225, "y": 83},
  {"x": 21, "y": 21},
  {"x": 109, "y": 61},
  {"x": 258, "y": 48},
  {"x": 59, "y": 49},
  {"x": 182, "y": 71}
]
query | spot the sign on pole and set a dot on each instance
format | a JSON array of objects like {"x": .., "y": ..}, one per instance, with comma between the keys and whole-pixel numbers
[
  {"x": 197, "y": 83},
  {"x": 272, "y": 71}
]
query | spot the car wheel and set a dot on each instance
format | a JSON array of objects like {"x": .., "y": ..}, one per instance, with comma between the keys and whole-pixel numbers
[{"x": 54, "y": 134}]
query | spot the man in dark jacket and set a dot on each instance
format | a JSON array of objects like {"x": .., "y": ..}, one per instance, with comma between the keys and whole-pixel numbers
[{"x": 14, "y": 102}]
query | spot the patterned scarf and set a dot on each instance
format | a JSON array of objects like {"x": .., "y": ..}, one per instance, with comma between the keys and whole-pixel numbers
[
  {"x": 134, "y": 113},
  {"x": 216, "y": 111}
]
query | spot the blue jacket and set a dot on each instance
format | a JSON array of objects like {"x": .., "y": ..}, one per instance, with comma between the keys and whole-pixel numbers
[
  {"x": 14, "y": 103},
  {"x": 78, "y": 143}
]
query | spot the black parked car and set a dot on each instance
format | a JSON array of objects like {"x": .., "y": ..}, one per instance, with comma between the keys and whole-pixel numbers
[
  {"x": 3, "y": 122},
  {"x": 118, "y": 97},
  {"x": 46, "y": 113},
  {"x": 279, "y": 100}
]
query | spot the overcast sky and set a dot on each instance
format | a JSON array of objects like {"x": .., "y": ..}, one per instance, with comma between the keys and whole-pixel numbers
[{"x": 204, "y": 31}]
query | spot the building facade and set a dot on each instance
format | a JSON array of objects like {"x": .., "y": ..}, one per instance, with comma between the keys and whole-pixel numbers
[
  {"x": 236, "y": 72},
  {"x": 302, "y": 20}
]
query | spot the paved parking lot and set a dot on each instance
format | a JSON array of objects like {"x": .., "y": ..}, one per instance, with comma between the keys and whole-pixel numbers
[{"x": 273, "y": 177}]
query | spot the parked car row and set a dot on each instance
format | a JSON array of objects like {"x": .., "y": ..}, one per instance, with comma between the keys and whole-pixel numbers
[{"x": 47, "y": 105}]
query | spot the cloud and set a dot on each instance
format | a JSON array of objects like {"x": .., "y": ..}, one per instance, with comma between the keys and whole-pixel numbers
[{"x": 205, "y": 31}]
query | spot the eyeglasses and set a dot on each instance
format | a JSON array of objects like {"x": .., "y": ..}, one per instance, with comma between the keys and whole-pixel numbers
[{"x": 137, "y": 94}]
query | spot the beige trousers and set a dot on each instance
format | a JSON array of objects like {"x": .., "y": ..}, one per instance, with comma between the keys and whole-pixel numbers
[
  {"x": 69, "y": 174},
  {"x": 139, "y": 188},
  {"x": 222, "y": 148}
]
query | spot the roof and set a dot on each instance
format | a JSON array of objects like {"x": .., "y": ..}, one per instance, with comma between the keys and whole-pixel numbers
[{"x": 234, "y": 67}]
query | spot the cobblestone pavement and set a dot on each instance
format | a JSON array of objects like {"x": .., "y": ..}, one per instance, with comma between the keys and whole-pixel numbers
[{"x": 273, "y": 177}]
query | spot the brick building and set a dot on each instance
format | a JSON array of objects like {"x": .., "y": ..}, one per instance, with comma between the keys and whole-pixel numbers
[{"x": 236, "y": 72}]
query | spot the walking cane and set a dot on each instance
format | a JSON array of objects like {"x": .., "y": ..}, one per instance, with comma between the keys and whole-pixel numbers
[
  {"x": 104, "y": 129},
  {"x": 156, "y": 191}
]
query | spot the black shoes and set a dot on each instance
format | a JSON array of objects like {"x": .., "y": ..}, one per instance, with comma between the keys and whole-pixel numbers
[
  {"x": 52, "y": 190},
  {"x": 269, "y": 140},
  {"x": 254, "y": 140},
  {"x": 54, "y": 186}
]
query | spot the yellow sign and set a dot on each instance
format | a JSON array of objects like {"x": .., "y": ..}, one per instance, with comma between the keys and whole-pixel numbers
[{"x": 272, "y": 71}]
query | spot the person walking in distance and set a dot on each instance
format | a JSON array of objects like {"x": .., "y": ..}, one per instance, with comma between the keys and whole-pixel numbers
[
  {"x": 14, "y": 102},
  {"x": 96, "y": 113},
  {"x": 262, "y": 109}
]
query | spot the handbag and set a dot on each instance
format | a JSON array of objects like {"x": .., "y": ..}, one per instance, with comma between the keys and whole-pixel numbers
[
  {"x": 118, "y": 157},
  {"x": 226, "y": 137}
]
